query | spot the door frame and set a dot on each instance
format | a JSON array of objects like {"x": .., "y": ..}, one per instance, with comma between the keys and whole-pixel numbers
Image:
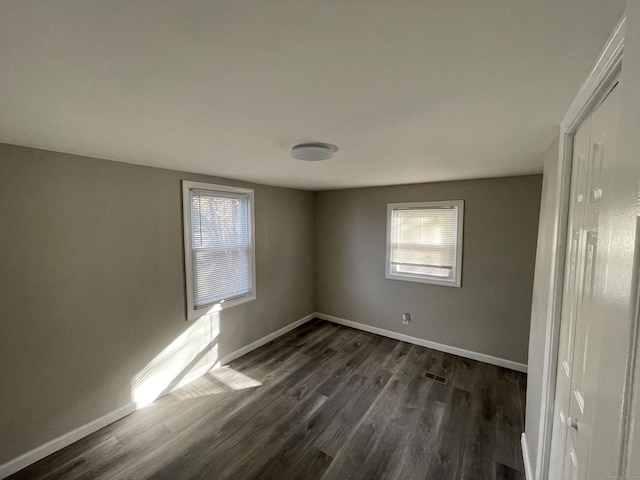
[{"x": 607, "y": 67}]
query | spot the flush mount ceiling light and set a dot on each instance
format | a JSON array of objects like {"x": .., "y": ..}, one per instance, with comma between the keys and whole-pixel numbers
[{"x": 313, "y": 152}]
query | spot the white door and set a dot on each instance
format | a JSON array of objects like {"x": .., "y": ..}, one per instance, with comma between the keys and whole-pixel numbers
[{"x": 594, "y": 143}]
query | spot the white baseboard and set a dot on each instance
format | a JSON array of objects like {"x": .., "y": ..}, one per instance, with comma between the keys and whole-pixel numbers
[
  {"x": 264, "y": 340},
  {"x": 528, "y": 473},
  {"x": 481, "y": 357},
  {"x": 38, "y": 453},
  {"x": 62, "y": 441}
]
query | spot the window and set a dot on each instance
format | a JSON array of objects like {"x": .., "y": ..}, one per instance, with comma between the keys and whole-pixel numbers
[
  {"x": 424, "y": 242},
  {"x": 219, "y": 246}
]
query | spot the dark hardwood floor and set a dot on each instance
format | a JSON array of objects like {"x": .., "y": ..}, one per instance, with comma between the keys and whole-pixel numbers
[{"x": 333, "y": 403}]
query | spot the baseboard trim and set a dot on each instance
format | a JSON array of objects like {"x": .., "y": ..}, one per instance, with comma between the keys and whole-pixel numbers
[
  {"x": 481, "y": 357},
  {"x": 38, "y": 453},
  {"x": 62, "y": 441},
  {"x": 264, "y": 340},
  {"x": 528, "y": 473}
]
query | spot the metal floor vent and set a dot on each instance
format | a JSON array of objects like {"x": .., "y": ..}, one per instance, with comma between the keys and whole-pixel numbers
[{"x": 436, "y": 378}]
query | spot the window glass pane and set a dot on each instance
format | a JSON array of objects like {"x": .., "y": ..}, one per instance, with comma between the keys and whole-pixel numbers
[
  {"x": 424, "y": 237},
  {"x": 221, "y": 245},
  {"x": 443, "y": 273},
  {"x": 219, "y": 221},
  {"x": 424, "y": 242},
  {"x": 221, "y": 275}
]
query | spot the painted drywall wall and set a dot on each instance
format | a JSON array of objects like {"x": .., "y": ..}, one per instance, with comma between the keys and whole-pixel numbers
[
  {"x": 540, "y": 301},
  {"x": 489, "y": 314},
  {"x": 93, "y": 288}
]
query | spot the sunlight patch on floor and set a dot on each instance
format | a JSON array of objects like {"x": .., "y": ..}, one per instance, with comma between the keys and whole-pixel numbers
[
  {"x": 218, "y": 380},
  {"x": 233, "y": 379}
]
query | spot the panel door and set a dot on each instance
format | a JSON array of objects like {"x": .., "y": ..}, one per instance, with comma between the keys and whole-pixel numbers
[{"x": 594, "y": 143}]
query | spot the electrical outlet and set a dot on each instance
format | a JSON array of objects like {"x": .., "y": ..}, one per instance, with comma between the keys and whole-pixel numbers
[{"x": 406, "y": 318}]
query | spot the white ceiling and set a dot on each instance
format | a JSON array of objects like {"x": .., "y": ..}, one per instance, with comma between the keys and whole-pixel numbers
[{"x": 411, "y": 91}]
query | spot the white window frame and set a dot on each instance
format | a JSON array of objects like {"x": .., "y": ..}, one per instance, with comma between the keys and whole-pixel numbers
[
  {"x": 194, "y": 312},
  {"x": 456, "y": 281}
]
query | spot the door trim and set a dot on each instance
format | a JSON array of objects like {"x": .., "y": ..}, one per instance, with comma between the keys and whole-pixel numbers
[{"x": 593, "y": 91}]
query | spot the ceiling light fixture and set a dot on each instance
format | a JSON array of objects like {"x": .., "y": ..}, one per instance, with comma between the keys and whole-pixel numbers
[{"x": 313, "y": 152}]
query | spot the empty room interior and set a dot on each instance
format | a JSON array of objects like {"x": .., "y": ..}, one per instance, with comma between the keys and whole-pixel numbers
[{"x": 293, "y": 239}]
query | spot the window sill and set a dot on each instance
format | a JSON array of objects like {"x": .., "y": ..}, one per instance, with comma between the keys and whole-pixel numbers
[
  {"x": 424, "y": 279},
  {"x": 196, "y": 313}
]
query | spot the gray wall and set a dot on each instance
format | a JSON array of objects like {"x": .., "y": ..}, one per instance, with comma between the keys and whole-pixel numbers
[
  {"x": 92, "y": 284},
  {"x": 540, "y": 307},
  {"x": 489, "y": 314}
]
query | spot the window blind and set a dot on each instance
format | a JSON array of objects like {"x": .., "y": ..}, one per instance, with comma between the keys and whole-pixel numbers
[
  {"x": 423, "y": 241},
  {"x": 221, "y": 245}
]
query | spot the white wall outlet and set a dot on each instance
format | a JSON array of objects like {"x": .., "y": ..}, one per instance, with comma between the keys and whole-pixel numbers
[{"x": 406, "y": 318}]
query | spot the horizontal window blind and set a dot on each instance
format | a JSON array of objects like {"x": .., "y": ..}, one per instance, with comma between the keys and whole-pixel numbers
[
  {"x": 221, "y": 245},
  {"x": 423, "y": 240}
]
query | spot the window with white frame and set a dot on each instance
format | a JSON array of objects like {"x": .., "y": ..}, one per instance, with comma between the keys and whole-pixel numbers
[
  {"x": 219, "y": 246},
  {"x": 424, "y": 242}
]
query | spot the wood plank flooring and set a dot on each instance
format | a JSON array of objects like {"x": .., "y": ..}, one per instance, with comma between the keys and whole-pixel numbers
[{"x": 332, "y": 403}]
